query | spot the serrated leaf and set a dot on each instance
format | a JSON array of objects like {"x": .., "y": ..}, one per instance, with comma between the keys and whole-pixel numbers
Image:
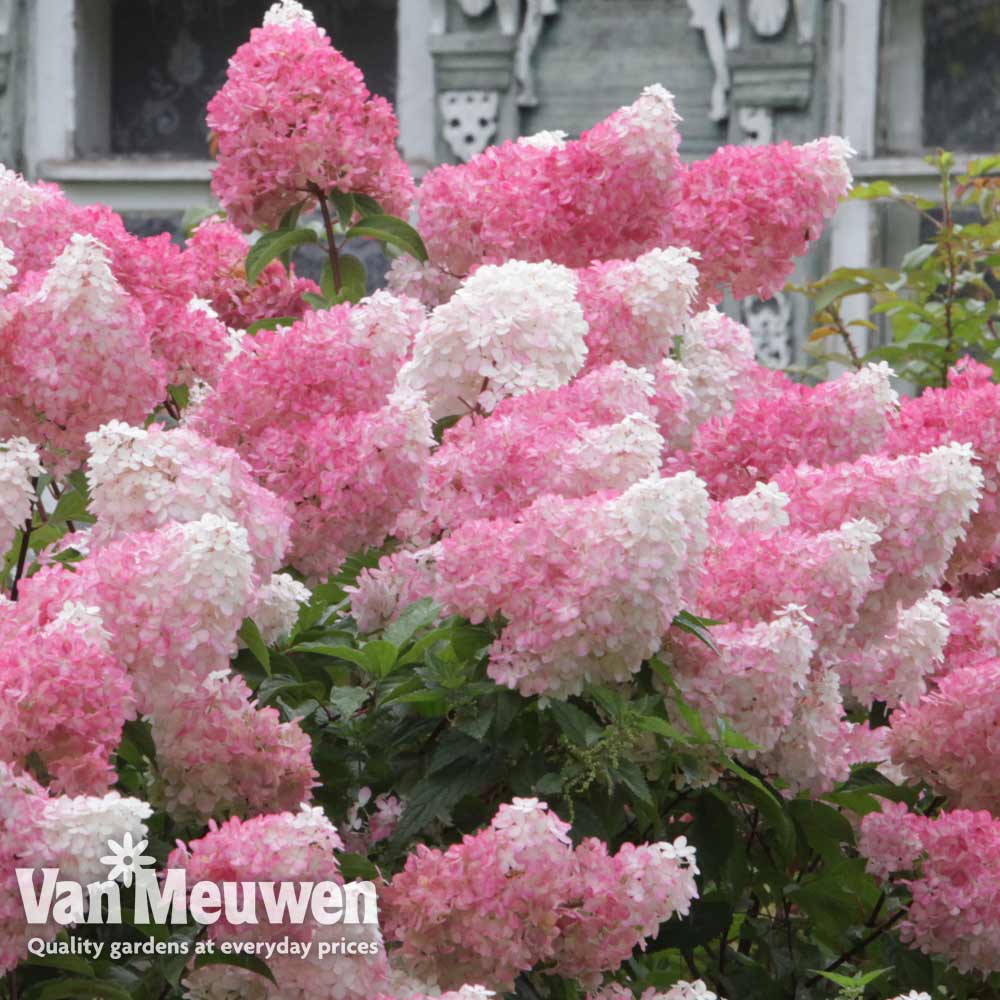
[
  {"x": 578, "y": 727},
  {"x": 389, "y": 229},
  {"x": 271, "y": 246},
  {"x": 72, "y": 506}
]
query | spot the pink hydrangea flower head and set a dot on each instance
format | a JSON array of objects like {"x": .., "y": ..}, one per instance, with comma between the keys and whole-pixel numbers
[
  {"x": 35, "y": 222},
  {"x": 163, "y": 635},
  {"x": 920, "y": 506},
  {"x": 750, "y": 573},
  {"x": 784, "y": 423},
  {"x": 276, "y": 606},
  {"x": 350, "y": 479},
  {"x": 623, "y": 900},
  {"x": 216, "y": 258},
  {"x": 973, "y": 632},
  {"x": 750, "y": 210},
  {"x": 629, "y": 160},
  {"x": 518, "y": 893},
  {"x": 968, "y": 411},
  {"x": 715, "y": 365},
  {"x": 421, "y": 280},
  {"x": 756, "y": 679},
  {"x": 817, "y": 748},
  {"x": 60, "y": 358},
  {"x": 635, "y": 308},
  {"x": 588, "y": 586},
  {"x": 507, "y": 331},
  {"x": 294, "y": 115},
  {"x": 340, "y": 361},
  {"x": 947, "y": 738},
  {"x": 141, "y": 479},
  {"x": 8, "y": 269},
  {"x": 951, "y": 866},
  {"x": 218, "y": 754},
  {"x": 63, "y": 697},
  {"x": 896, "y": 667},
  {"x": 294, "y": 846},
  {"x": 71, "y": 834},
  {"x": 600, "y": 426}
]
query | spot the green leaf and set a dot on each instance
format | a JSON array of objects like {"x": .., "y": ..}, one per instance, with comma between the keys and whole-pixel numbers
[
  {"x": 356, "y": 866},
  {"x": 651, "y": 724},
  {"x": 379, "y": 657},
  {"x": 877, "y": 189},
  {"x": 353, "y": 277},
  {"x": 771, "y": 807},
  {"x": 389, "y": 229},
  {"x": 579, "y": 727},
  {"x": 823, "y": 828},
  {"x": 271, "y": 324},
  {"x": 249, "y": 962},
  {"x": 693, "y": 625},
  {"x": 834, "y": 290},
  {"x": 66, "y": 963},
  {"x": 353, "y": 281},
  {"x": 271, "y": 246},
  {"x": 367, "y": 206},
  {"x": 72, "y": 506},
  {"x": 344, "y": 204},
  {"x": 195, "y": 216},
  {"x": 412, "y": 618},
  {"x": 316, "y": 301},
  {"x": 847, "y": 982},
  {"x": 347, "y": 700},
  {"x": 918, "y": 256},
  {"x": 436, "y": 795},
  {"x": 254, "y": 641}
]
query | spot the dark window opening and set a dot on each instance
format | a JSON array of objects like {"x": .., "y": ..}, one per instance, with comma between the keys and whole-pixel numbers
[
  {"x": 169, "y": 57},
  {"x": 962, "y": 78}
]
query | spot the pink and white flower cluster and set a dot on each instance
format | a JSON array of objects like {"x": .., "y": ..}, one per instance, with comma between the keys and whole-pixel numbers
[{"x": 518, "y": 893}]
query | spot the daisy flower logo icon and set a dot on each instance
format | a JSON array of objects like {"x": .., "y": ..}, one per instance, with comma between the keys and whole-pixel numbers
[{"x": 126, "y": 859}]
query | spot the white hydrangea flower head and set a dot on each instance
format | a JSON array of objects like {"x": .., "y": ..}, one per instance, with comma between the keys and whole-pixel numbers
[
  {"x": 80, "y": 279},
  {"x": 19, "y": 464},
  {"x": 287, "y": 13},
  {"x": 82, "y": 619},
  {"x": 277, "y": 607},
  {"x": 77, "y": 831},
  {"x": 719, "y": 357},
  {"x": 617, "y": 454},
  {"x": 834, "y": 152},
  {"x": 651, "y": 121},
  {"x": 762, "y": 509},
  {"x": 509, "y": 330},
  {"x": 659, "y": 289}
]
